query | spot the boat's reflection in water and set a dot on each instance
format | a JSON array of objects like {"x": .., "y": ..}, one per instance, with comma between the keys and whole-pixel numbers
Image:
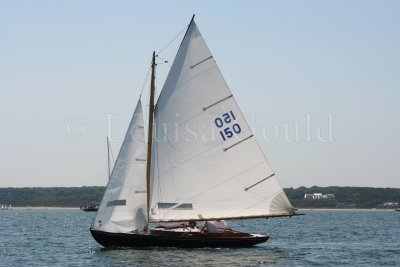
[{"x": 156, "y": 256}]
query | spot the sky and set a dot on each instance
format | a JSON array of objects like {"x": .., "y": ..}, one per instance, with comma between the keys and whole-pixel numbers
[{"x": 318, "y": 81}]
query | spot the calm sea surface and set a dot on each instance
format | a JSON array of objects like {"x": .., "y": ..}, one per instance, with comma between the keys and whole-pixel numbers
[{"x": 61, "y": 237}]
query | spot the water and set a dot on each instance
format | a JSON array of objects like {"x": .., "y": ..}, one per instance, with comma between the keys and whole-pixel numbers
[{"x": 60, "y": 237}]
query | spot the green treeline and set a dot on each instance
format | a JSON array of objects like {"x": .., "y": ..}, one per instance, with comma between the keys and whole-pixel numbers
[
  {"x": 50, "y": 196},
  {"x": 345, "y": 197}
]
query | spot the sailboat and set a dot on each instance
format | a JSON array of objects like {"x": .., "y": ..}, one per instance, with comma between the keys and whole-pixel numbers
[
  {"x": 89, "y": 207},
  {"x": 201, "y": 163}
]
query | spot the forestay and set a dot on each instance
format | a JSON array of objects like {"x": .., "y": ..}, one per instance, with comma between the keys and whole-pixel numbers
[
  {"x": 206, "y": 163},
  {"x": 123, "y": 208}
]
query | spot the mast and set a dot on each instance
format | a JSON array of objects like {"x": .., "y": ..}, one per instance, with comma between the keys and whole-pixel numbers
[
  {"x": 150, "y": 129},
  {"x": 108, "y": 158}
]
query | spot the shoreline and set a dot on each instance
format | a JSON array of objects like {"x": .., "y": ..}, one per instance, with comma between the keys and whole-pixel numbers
[
  {"x": 299, "y": 209},
  {"x": 346, "y": 209},
  {"x": 44, "y": 208}
]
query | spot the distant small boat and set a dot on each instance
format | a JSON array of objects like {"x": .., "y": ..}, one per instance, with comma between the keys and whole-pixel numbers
[
  {"x": 398, "y": 209},
  {"x": 90, "y": 207}
]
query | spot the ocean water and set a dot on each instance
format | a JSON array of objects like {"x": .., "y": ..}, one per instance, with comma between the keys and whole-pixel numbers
[{"x": 61, "y": 237}]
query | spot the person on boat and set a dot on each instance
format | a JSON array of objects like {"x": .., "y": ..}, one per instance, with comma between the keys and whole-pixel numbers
[
  {"x": 215, "y": 226},
  {"x": 192, "y": 224}
]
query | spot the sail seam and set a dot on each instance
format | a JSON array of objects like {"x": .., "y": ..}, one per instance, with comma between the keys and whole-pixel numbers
[
  {"x": 184, "y": 122},
  {"x": 217, "y": 102},
  {"x": 204, "y": 60},
  {"x": 189, "y": 159},
  {"x": 229, "y": 147},
  {"x": 257, "y": 203},
  {"x": 192, "y": 158},
  {"x": 247, "y": 188},
  {"x": 222, "y": 182}
]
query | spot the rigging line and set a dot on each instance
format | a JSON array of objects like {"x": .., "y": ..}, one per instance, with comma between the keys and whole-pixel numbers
[
  {"x": 112, "y": 156},
  {"x": 155, "y": 91},
  {"x": 160, "y": 193},
  {"x": 145, "y": 82},
  {"x": 170, "y": 42},
  {"x": 156, "y": 150},
  {"x": 163, "y": 59}
]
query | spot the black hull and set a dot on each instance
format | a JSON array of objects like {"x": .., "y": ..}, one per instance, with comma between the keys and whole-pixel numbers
[
  {"x": 183, "y": 241},
  {"x": 89, "y": 209}
]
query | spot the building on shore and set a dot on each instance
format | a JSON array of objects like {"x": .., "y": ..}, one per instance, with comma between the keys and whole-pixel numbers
[
  {"x": 319, "y": 196},
  {"x": 389, "y": 205}
]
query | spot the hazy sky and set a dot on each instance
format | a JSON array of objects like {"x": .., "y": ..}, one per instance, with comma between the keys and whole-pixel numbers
[{"x": 331, "y": 69}]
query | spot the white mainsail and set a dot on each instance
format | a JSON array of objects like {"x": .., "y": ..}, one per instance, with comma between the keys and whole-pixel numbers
[
  {"x": 206, "y": 163},
  {"x": 123, "y": 207}
]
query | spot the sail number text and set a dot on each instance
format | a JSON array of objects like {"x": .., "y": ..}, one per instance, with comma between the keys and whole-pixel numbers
[{"x": 227, "y": 132}]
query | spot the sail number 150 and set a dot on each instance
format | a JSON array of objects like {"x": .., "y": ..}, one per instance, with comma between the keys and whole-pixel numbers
[{"x": 227, "y": 132}]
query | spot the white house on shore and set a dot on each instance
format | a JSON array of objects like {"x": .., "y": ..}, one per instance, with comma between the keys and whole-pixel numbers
[{"x": 319, "y": 196}]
